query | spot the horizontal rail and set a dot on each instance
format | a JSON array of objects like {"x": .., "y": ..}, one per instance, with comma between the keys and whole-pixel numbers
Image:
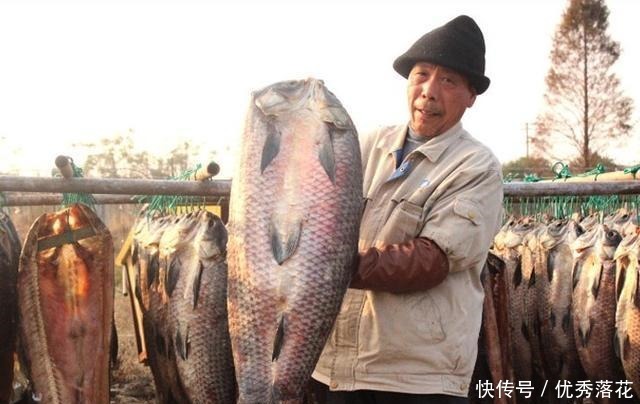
[
  {"x": 40, "y": 199},
  {"x": 118, "y": 186},
  {"x": 559, "y": 188},
  {"x": 222, "y": 188}
]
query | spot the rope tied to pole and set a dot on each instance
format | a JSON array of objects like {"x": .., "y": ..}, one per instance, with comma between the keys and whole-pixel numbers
[{"x": 561, "y": 170}]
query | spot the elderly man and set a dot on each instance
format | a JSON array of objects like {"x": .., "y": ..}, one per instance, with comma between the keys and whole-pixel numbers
[{"x": 408, "y": 328}]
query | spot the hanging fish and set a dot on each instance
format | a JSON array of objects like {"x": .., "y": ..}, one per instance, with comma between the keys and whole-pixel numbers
[
  {"x": 65, "y": 289},
  {"x": 509, "y": 248},
  {"x": 149, "y": 290},
  {"x": 594, "y": 303},
  {"x": 628, "y": 309},
  {"x": 9, "y": 257},
  {"x": 181, "y": 286},
  {"x": 197, "y": 310},
  {"x": 555, "y": 263},
  {"x": 293, "y": 234}
]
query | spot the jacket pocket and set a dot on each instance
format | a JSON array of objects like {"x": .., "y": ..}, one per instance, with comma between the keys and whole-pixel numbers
[
  {"x": 467, "y": 209},
  {"x": 404, "y": 223}
]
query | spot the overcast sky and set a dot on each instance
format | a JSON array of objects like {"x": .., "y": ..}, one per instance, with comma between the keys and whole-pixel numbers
[{"x": 183, "y": 70}]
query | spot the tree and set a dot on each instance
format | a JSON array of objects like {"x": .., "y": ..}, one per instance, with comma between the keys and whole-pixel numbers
[
  {"x": 585, "y": 106},
  {"x": 116, "y": 157},
  {"x": 525, "y": 166}
]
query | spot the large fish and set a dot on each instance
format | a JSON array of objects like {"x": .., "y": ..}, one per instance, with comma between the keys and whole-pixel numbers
[
  {"x": 65, "y": 289},
  {"x": 594, "y": 303},
  {"x": 293, "y": 230},
  {"x": 197, "y": 309},
  {"x": 555, "y": 264},
  {"x": 628, "y": 309},
  {"x": 9, "y": 256}
]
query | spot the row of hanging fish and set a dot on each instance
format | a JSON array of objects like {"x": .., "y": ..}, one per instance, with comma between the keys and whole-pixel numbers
[
  {"x": 57, "y": 309},
  {"x": 573, "y": 300},
  {"x": 181, "y": 285}
]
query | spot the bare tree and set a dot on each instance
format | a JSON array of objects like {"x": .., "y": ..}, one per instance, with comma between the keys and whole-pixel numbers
[{"x": 585, "y": 105}]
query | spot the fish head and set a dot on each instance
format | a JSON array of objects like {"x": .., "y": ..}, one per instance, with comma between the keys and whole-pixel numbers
[
  {"x": 212, "y": 235},
  {"x": 515, "y": 234},
  {"x": 287, "y": 96},
  {"x": 552, "y": 233},
  {"x": 608, "y": 242}
]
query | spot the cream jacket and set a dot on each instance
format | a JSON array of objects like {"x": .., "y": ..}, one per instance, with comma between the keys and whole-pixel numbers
[{"x": 450, "y": 191}]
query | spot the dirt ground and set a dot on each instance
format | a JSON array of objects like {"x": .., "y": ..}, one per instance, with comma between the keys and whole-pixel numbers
[{"x": 131, "y": 381}]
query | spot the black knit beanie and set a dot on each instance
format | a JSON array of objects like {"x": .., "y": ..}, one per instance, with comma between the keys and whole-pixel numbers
[{"x": 458, "y": 45}]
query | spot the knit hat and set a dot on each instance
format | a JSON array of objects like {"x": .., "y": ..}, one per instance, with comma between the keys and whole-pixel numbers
[{"x": 458, "y": 45}]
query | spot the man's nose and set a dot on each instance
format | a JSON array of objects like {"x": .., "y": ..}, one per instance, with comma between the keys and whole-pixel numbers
[{"x": 431, "y": 89}]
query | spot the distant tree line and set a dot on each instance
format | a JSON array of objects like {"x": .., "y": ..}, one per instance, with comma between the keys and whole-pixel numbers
[{"x": 118, "y": 157}]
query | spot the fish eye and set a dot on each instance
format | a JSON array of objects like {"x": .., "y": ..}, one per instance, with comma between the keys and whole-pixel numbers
[
  {"x": 625, "y": 216},
  {"x": 613, "y": 235}
]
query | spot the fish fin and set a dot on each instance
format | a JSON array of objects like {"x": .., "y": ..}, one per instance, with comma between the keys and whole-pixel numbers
[
  {"x": 517, "y": 275},
  {"x": 327, "y": 157},
  {"x": 179, "y": 342},
  {"x": 277, "y": 342},
  {"x": 626, "y": 347},
  {"x": 550, "y": 268},
  {"x": 595, "y": 286},
  {"x": 152, "y": 269},
  {"x": 621, "y": 273},
  {"x": 532, "y": 280},
  {"x": 552, "y": 319},
  {"x": 270, "y": 150},
  {"x": 585, "y": 335},
  {"x": 566, "y": 322},
  {"x": 283, "y": 249},
  {"x": 536, "y": 326},
  {"x": 525, "y": 331},
  {"x": 172, "y": 275},
  {"x": 196, "y": 284},
  {"x": 135, "y": 254},
  {"x": 160, "y": 344},
  {"x": 577, "y": 269},
  {"x": 636, "y": 292}
]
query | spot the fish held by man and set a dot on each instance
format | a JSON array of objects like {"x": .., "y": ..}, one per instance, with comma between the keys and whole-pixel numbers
[{"x": 293, "y": 233}]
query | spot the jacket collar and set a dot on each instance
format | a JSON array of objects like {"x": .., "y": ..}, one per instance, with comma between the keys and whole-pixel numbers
[{"x": 433, "y": 149}]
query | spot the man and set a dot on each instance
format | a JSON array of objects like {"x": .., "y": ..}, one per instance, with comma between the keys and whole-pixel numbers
[{"x": 408, "y": 329}]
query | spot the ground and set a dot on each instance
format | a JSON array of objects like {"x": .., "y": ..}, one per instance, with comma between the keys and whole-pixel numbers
[{"x": 131, "y": 381}]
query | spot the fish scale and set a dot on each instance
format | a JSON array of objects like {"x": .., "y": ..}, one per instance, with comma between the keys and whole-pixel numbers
[{"x": 293, "y": 226}]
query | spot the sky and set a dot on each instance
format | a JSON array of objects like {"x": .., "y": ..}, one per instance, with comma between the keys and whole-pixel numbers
[{"x": 168, "y": 71}]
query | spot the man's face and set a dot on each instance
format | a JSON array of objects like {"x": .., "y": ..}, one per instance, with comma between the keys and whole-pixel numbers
[{"x": 438, "y": 97}]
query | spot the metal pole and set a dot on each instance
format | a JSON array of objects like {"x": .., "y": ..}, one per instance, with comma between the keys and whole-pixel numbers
[
  {"x": 117, "y": 186},
  {"x": 39, "y": 199},
  {"x": 522, "y": 189}
]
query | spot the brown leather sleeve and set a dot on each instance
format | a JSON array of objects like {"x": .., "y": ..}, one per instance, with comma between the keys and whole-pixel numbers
[{"x": 416, "y": 265}]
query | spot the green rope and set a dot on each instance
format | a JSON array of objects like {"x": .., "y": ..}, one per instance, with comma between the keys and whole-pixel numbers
[
  {"x": 531, "y": 178},
  {"x": 632, "y": 170},
  {"x": 169, "y": 204},
  {"x": 510, "y": 177},
  {"x": 561, "y": 170},
  {"x": 69, "y": 199},
  {"x": 599, "y": 169}
]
